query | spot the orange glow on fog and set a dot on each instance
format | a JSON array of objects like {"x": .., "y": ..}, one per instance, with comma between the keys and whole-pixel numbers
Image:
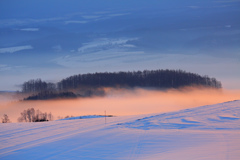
[{"x": 124, "y": 102}]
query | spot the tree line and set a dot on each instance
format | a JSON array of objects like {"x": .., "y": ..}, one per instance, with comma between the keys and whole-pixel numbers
[
  {"x": 90, "y": 83},
  {"x": 45, "y": 95},
  {"x": 148, "y": 78},
  {"x": 37, "y": 86},
  {"x": 30, "y": 115}
]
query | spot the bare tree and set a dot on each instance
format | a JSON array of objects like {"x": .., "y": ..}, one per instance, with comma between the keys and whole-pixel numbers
[
  {"x": 23, "y": 117},
  {"x": 50, "y": 116},
  {"x": 5, "y": 119},
  {"x": 30, "y": 115}
]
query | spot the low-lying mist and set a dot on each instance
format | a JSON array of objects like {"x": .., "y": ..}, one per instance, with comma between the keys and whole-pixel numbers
[{"x": 123, "y": 102}]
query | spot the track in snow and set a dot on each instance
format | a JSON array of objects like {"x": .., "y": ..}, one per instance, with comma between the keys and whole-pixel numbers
[{"x": 207, "y": 132}]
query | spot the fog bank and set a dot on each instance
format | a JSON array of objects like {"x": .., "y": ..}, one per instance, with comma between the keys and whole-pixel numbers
[{"x": 120, "y": 102}]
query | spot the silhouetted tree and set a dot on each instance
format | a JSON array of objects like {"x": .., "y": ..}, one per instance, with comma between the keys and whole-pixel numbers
[
  {"x": 30, "y": 115},
  {"x": 36, "y": 86},
  {"x": 5, "y": 119}
]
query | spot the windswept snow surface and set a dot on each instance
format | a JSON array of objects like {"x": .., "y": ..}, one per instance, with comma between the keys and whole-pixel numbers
[
  {"x": 84, "y": 117},
  {"x": 202, "y": 133}
]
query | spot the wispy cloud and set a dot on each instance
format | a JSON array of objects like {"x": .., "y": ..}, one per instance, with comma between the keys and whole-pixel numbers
[
  {"x": 29, "y": 29},
  {"x": 91, "y": 16},
  {"x": 227, "y": 1},
  {"x": 215, "y": 6},
  {"x": 4, "y": 67},
  {"x": 80, "y": 18},
  {"x": 76, "y": 22},
  {"x": 105, "y": 43},
  {"x": 194, "y": 7},
  {"x": 118, "y": 14},
  {"x": 57, "y": 48},
  {"x": 98, "y": 58},
  {"x": 15, "y": 49},
  {"x": 10, "y": 22}
]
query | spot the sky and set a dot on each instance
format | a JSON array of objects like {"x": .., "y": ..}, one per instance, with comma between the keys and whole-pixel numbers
[{"x": 54, "y": 39}]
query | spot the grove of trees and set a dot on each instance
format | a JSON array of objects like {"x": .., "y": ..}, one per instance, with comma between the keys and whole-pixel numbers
[
  {"x": 90, "y": 83},
  {"x": 37, "y": 86},
  {"x": 153, "y": 78},
  {"x": 45, "y": 95},
  {"x": 32, "y": 115}
]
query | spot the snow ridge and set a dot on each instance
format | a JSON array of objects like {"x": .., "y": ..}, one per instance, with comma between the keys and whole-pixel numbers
[{"x": 224, "y": 116}]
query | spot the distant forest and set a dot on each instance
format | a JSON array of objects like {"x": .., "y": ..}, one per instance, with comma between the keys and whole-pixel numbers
[{"x": 91, "y": 83}]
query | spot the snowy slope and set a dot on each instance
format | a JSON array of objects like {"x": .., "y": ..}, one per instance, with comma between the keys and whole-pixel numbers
[
  {"x": 207, "y": 132},
  {"x": 83, "y": 117},
  {"x": 225, "y": 116}
]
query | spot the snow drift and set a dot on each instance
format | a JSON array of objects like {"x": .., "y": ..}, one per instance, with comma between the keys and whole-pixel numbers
[{"x": 203, "y": 133}]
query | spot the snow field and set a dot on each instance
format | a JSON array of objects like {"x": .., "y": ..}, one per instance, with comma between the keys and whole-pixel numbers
[{"x": 202, "y": 133}]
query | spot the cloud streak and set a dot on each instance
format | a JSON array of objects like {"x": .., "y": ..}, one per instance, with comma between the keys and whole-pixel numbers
[
  {"x": 82, "y": 18},
  {"x": 76, "y": 22},
  {"x": 15, "y": 49},
  {"x": 105, "y": 43},
  {"x": 30, "y": 29}
]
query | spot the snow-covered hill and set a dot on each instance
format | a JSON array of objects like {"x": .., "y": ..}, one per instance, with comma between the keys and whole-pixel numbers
[
  {"x": 202, "y": 133},
  {"x": 225, "y": 116}
]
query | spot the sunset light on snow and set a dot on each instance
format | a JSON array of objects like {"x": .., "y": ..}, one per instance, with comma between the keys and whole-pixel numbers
[{"x": 120, "y": 79}]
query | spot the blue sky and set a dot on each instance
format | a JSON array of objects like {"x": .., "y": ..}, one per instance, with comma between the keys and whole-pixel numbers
[{"x": 57, "y": 38}]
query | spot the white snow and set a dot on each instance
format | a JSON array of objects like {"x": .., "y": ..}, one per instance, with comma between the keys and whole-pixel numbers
[
  {"x": 83, "y": 117},
  {"x": 202, "y": 133},
  {"x": 225, "y": 116}
]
